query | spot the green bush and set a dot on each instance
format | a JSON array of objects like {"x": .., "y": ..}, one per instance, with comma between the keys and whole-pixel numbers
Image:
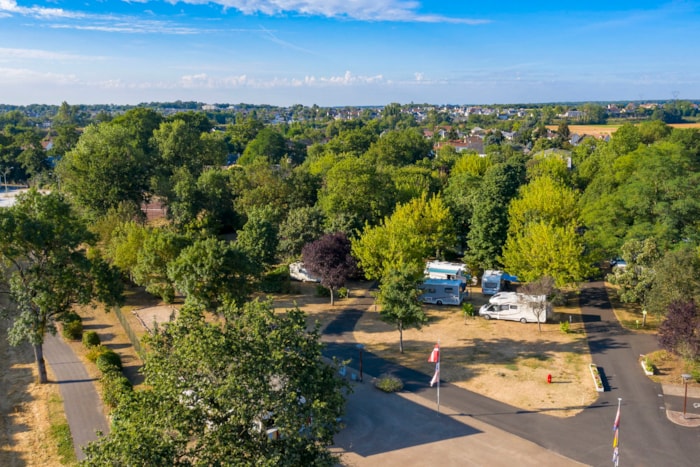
[
  {"x": 91, "y": 339},
  {"x": 114, "y": 387},
  {"x": 73, "y": 330},
  {"x": 322, "y": 291},
  {"x": 468, "y": 309},
  {"x": 94, "y": 352},
  {"x": 388, "y": 383},
  {"x": 565, "y": 327},
  {"x": 276, "y": 281},
  {"x": 343, "y": 292},
  {"x": 109, "y": 361}
]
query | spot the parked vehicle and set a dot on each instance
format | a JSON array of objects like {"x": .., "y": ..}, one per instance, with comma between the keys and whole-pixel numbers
[
  {"x": 517, "y": 307},
  {"x": 443, "y": 291},
  {"x": 298, "y": 272},
  {"x": 447, "y": 270},
  {"x": 493, "y": 281}
]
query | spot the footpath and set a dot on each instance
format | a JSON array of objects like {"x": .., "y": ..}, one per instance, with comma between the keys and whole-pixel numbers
[{"x": 82, "y": 405}]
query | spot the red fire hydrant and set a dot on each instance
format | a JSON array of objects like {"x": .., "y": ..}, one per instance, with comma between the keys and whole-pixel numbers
[{"x": 549, "y": 379}]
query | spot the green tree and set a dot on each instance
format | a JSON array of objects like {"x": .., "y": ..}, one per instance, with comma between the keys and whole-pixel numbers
[
  {"x": 259, "y": 236},
  {"x": 214, "y": 390},
  {"x": 212, "y": 273},
  {"x": 105, "y": 168},
  {"x": 268, "y": 145},
  {"x": 301, "y": 226},
  {"x": 42, "y": 250},
  {"x": 356, "y": 189},
  {"x": 398, "y": 297},
  {"x": 635, "y": 280},
  {"x": 544, "y": 249},
  {"x": 417, "y": 230},
  {"x": 676, "y": 277},
  {"x": 489, "y": 223},
  {"x": 160, "y": 247}
]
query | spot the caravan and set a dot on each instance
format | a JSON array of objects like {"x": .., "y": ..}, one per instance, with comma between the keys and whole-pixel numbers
[
  {"x": 447, "y": 270},
  {"x": 442, "y": 291},
  {"x": 494, "y": 281},
  {"x": 517, "y": 307}
]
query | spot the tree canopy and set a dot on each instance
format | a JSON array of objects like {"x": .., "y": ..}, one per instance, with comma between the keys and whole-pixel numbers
[{"x": 214, "y": 390}]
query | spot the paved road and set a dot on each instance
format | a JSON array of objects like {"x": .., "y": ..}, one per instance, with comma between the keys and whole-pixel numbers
[
  {"x": 647, "y": 437},
  {"x": 82, "y": 405}
]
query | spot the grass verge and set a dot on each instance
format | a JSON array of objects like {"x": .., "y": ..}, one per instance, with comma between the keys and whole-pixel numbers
[{"x": 60, "y": 432}]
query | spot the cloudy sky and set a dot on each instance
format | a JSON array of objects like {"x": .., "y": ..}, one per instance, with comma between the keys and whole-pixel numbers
[{"x": 347, "y": 52}]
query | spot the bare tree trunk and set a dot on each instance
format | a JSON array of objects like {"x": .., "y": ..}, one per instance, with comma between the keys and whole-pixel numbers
[
  {"x": 40, "y": 363},
  {"x": 332, "y": 301},
  {"x": 400, "y": 337}
]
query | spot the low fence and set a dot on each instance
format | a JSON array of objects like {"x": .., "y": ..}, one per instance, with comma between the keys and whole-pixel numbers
[{"x": 135, "y": 341}]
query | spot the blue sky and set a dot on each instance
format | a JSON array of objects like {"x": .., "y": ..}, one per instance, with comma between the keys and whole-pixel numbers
[{"x": 347, "y": 52}]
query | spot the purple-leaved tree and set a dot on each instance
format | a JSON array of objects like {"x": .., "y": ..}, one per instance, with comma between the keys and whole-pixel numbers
[
  {"x": 329, "y": 258},
  {"x": 680, "y": 331}
]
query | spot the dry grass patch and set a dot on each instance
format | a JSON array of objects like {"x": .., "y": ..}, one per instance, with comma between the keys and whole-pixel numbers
[{"x": 506, "y": 361}]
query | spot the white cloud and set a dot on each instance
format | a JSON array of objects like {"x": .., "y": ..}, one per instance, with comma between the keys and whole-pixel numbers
[
  {"x": 10, "y": 6},
  {"x": 364, "y": 10},
  {"x": 203, "y": 81},
  {"x": 37, "y": 54},
  {"x": 23, "y": 76}
]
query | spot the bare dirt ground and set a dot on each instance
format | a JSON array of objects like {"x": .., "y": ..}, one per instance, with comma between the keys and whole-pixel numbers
[
  {"x": 506, "y": 361},
  {"x": 25, "y": 407}
]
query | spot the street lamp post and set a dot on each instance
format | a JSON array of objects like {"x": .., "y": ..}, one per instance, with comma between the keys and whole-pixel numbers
[
  {"x": 686, "y": 378},
  {"x": 360, "y": 347}
]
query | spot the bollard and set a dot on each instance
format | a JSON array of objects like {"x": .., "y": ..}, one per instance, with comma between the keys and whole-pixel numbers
[{"x": 549, "y": 379}]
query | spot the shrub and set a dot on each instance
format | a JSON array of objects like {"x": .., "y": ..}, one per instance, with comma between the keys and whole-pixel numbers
[
  {"x": 468, "y": 309},
  {"x": 94, "y": 352},
  {"x": 114, "y": 387},
  {"x": 322, "y": 291},
  {"x": 91, "y": 339},
  {"x": 109, "y": 361},
  {"x": 565, "y": 327},
  {"x": 276, "y": 281},
  {"x": 388, "y": 383},
  {"x": 343, "y": 292},
  {"x": 73, "y": 330}
]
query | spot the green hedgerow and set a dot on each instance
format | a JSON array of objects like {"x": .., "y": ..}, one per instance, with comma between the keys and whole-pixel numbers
[
  {"x": 388, "y": 383},
  {"x": 109, "y": 361},
  {"x": 94, "y": 352},
  {"x": 114, "y": 387},
  {"x": 91, "y": 339}
]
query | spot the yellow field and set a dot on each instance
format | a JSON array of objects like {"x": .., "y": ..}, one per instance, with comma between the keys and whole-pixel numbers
[{"x": 602, "y": 130}]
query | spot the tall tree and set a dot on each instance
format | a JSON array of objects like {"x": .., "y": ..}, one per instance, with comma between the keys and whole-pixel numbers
[
  {"x": 212, "y": 273},
  {"x": 489, "y": 223},
  {"x": 329, "y": 258},
  {"x": 105, "y": 168},
  {"x": 259, "y": 236},
  {"x": 214, "y": 390},
  {"x": 42, "y": 250},
  {"x": 398, "y": 297},
  {"x": 417, "y": 230}
]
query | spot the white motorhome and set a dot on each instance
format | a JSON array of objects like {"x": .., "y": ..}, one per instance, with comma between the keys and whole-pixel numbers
[
  {"x": 517, "y": 307},
  {"x": 442, "y": 291},
  {"x": 447, "y": 270},
  {"x": 298, "y": 272},
  {"x": 493, "y": 281}
]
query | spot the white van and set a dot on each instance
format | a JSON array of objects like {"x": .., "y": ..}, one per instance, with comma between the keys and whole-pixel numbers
[
  {"x": 518, "y": 307},
  {"x": 298, "y": 272}
]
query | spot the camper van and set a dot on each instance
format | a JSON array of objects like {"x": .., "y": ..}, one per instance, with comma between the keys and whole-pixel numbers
[
  {"x": 494, "y": 281},
  {"x": 447, "y": 270},
  {"x": 517, "y": 307},
  {"x": 442, "y": 291},
  {"x": 298, "y": 272}
]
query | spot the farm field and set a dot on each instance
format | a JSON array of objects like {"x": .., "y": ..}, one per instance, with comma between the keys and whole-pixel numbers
[{"x": 600, "y": 131}]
